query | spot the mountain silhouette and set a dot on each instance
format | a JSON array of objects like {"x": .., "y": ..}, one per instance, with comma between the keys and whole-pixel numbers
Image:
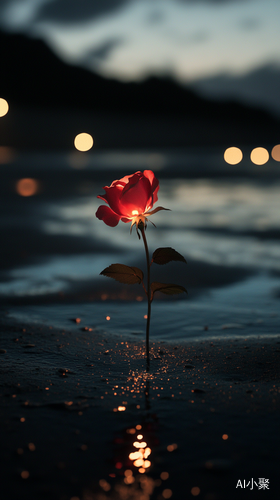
[
  {"x": 258, "y": 87},
  {"x": 52, "y": 99}
]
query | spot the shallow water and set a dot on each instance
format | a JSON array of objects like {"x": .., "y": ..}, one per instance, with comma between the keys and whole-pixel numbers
[
  {"x": 244, "y": 310},
  {"x": 226, "y": 226}
]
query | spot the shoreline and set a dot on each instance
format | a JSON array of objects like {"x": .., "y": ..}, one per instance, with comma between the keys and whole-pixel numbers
[{"x": 209, "y": 412}]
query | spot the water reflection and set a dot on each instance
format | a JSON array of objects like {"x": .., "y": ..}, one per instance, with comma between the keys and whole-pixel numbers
[{"x": 136, "y": 474}]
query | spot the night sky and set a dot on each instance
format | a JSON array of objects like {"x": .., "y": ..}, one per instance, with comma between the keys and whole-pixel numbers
[{"x": 223, "y": 48}]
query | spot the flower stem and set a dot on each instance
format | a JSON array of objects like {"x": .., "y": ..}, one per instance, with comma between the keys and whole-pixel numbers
[{"x": 148, "y": 295}]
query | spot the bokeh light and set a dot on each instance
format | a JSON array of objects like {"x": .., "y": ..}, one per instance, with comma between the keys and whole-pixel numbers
[
  {"x": 25, "y": 474},
  {"x": 275, "y": 153},
  {"x": 233, "y": 155},
  {"x": 6, "y": 155},
  {"x": 167, "y": 493},
  {"x": 83, "y": 142},
  {"x": 164, "y": 476},
  {"x": 195, "y": 491},
  {"x": 259, "y": 156},
  {"x": 4, "y": 107},
  {"x": 27, "y": 187}
]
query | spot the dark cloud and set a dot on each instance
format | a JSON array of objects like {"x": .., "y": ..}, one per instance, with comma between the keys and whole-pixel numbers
[
  {"x": 103, "y": 51},
  {"x": 66, "y": 11}
]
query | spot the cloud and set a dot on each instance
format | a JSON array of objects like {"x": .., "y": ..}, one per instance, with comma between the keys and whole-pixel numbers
[
  {"x": 73, "y": 11},
  {"x": 212, "y": 1},
  {"x": 103, "y": 51},
  {"x": 250, "y": 24}
]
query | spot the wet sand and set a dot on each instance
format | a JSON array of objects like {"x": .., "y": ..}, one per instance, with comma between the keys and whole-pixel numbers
[{"x": 73, "y": 406}]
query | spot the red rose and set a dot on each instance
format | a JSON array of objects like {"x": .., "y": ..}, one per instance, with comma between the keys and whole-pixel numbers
[{"x": 129, "y": 199}]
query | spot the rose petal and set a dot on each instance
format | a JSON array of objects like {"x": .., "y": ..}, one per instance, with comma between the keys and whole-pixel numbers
[
  {"x": 124, "y": 180},
  {"x": 108, "y": 216},
  {"x": 112, "y": 197},
  {"x": 103, "y": 197},
  {"x": 135, "y": 195},
  {"x": 149, "y": 174}
]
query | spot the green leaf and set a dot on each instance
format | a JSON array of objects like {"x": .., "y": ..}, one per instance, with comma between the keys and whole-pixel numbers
[
  {"x": 167, "y": 254},
  {"x": 167, "y": 288},
  {"x": 123, "y": 274}
]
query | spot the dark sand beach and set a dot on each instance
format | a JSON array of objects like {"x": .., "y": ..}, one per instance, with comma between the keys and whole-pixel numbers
[{"x": 75, "y": 406}]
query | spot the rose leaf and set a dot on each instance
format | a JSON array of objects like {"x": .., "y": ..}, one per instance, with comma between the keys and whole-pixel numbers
[
  {"x": 167, "y": 288},
  {"x": 167, "y": 254},
  {"x": 123, "y": 274}
]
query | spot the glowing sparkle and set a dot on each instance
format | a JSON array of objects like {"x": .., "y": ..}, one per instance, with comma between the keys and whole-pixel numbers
[
  {"x": 135, "y": 455},
  {"x": 136, "y": 444},
  {"x": 121, "y": 408}
]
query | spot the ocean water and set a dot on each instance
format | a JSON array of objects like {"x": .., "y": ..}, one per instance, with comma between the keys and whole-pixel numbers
[{"x": 224, "y": 220}]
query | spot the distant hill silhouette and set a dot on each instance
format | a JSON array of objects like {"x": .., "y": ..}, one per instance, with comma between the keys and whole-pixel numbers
[
  {"x": 32, "y": 77},
  {"x": 258, "y": 87}
]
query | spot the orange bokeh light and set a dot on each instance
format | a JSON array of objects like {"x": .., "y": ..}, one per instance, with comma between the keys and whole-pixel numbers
[
  {"x": 6, "y": 154},
  {"x": 275, "y": 153},
  {"x": 195, "y": 491},
  {"x": 164, "y": 476},
  {"x": 167, "y": 493},
  {"x": 27, "y": 187}
]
